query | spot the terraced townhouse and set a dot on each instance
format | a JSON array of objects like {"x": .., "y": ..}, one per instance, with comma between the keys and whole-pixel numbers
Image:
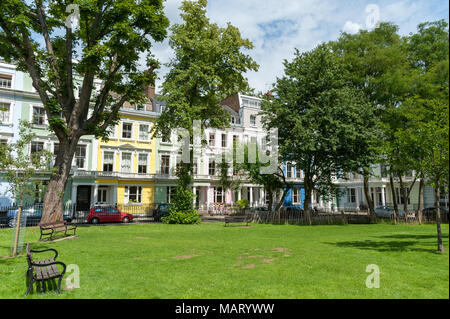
[
  {"x": 20, "y": 101},
  {"x": 134, "y": 169}
]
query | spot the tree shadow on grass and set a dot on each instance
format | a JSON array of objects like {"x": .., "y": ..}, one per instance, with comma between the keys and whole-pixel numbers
[
  {"x": 412, "y": 236},
  {"x": 33, "y": 245},
  {"x": 387, "y": 246}
]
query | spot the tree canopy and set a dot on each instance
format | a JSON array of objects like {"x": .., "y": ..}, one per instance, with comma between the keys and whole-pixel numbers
[{"x": 106, "y": 44}]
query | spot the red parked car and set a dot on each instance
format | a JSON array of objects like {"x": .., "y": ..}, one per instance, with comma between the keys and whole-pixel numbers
[{"x": 106, "y": 214}]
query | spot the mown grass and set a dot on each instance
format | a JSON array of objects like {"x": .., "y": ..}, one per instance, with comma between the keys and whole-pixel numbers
[{"x": 261, "y": 261}]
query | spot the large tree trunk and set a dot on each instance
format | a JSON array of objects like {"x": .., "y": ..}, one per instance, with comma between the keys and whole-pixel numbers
[
  {"x": 420, "y": 208},
  {"x": 270, "y": 204},
  {"x": 394, "y": 197},
  {"x": 404, "y": 194},
  {"x": 368, "y": 197},
  {"x": 437, "y": 196},
  {"x": 280, "y": 203},
  {"x": 52, "y": 209}
]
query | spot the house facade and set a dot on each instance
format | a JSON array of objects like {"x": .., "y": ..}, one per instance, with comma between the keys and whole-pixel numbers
[
  {"x": 210, "y": 196},
  {"x": 125, "y": 166},
  {"x": 132, "y": 168},
  {"x": 11, "y": 82},
  {"x": 20, "y": 102}
]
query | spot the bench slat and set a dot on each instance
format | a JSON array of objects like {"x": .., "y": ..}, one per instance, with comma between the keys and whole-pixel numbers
[
  {"x": 46, "y": 272},
  {"x": 56, "y": 227}
]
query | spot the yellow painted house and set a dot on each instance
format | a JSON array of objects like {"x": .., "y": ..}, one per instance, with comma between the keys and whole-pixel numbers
[{"x": 126, "y": 163}]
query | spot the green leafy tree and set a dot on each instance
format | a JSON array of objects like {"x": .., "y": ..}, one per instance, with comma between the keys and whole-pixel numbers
[
  {"x": 106, "y": 44},
  {"x": 375, "y": 61},
  {"x": 22, "y": 169},
  {"x": 321, "y": 120},
  {"x": 432, "y": 129},
  {"x": 426, "y": 109},
  {"x": 275, "y": 184},
  {"x": 208, "y": 66},
  {"x": 428, "y": 55}
]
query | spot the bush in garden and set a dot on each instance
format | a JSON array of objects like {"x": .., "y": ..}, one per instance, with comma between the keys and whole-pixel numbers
[{"x": 182, "y": 210}]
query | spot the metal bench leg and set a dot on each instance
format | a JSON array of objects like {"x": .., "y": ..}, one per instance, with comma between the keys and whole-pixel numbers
[
  {"x": 59, "y": 284},
  {"x": 30, "y": 285},
  {"x": 42, "y": 286}
]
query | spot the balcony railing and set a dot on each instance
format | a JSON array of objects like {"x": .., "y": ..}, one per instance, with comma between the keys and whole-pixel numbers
[{"x": 101, "y": 174}]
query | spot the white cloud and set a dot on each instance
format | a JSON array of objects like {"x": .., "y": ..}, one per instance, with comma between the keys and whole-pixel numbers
[
  {"x": 276, "y": 27},
  {"x": 351, "y": 27}
]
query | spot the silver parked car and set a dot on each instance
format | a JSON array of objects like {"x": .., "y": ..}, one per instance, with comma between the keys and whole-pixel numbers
[{"x": 387, "y": 211}]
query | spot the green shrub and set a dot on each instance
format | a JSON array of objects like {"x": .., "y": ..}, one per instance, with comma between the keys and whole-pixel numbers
[
  {"x": 182, "y": 217},
  {"x": 243, "y": 203},
  {"x": 182, "y": 210}
]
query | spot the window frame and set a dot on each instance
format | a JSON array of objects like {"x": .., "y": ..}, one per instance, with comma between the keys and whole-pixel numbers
[
  {"x": 31, "y": 146},
  {"x": 43, "y": 115},
  {"x": 164, "y": 168},
  {"x": 9, "y": 120},
  {"x": 296, "y": 192},
  {"x": 6, "y": 76},
  {"x": 75, "y": 157},
  {"x": 131, "y": 130},
  {"x": 113, "y": 132},
  {"x": 212, "y": 138},
  {"x": 213, "y": 168},
  {"x": 289, "y": 170},
  {"x": 148, "y": 132},
  {"x": 351, "y": 195},
  {"x": 139, "y": 194},
  {"x": 146, "y": 162},
  {"x": 113, "y": 161},
  {"x": 224, "y": 140},
  {"x": 216, "y": 194},
  {"x": 122, "y": 161}
]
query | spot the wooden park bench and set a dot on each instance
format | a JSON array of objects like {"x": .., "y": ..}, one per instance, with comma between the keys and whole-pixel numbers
[
  {"x": 238, "y": 219},
  {"x": 56, "y": 227},
  {"x": 43, "y": 270}
]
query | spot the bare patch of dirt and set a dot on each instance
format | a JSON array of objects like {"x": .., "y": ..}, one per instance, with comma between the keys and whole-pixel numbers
[
  {"x": 239, "y": 261},
  {"x": 249, "y": 266},
  {"x": 281, "y": 250},
  {"x": 255, "y": 256},
  {"x": 267, "y": 261},
  {"x": 186, "y": 256},
  {"x": 142, "y": 237}
]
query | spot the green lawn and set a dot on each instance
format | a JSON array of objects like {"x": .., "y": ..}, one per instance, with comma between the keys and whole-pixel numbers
[{"x": 261, "y": 261}]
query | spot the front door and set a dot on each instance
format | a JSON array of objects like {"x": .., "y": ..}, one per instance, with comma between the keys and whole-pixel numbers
[
  {"x": 102, "y": 195},
  {"x": 83, "y": 198}
]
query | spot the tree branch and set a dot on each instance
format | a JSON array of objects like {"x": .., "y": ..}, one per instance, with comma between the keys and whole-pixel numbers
[{"x": 48, "y": 43}]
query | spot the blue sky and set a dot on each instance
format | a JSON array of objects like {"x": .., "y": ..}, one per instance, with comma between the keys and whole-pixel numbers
[{"x": 276, "y": 27}]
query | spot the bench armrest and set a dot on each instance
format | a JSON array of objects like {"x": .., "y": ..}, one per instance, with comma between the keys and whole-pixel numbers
[
  {"x": 52, "y": 263},
  {"x": 50, "y": 249}
]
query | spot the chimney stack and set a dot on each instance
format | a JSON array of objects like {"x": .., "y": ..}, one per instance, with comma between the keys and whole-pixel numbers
[
  {"x": 150, "y": 91},
  {"x": 269, "y": 94}
]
